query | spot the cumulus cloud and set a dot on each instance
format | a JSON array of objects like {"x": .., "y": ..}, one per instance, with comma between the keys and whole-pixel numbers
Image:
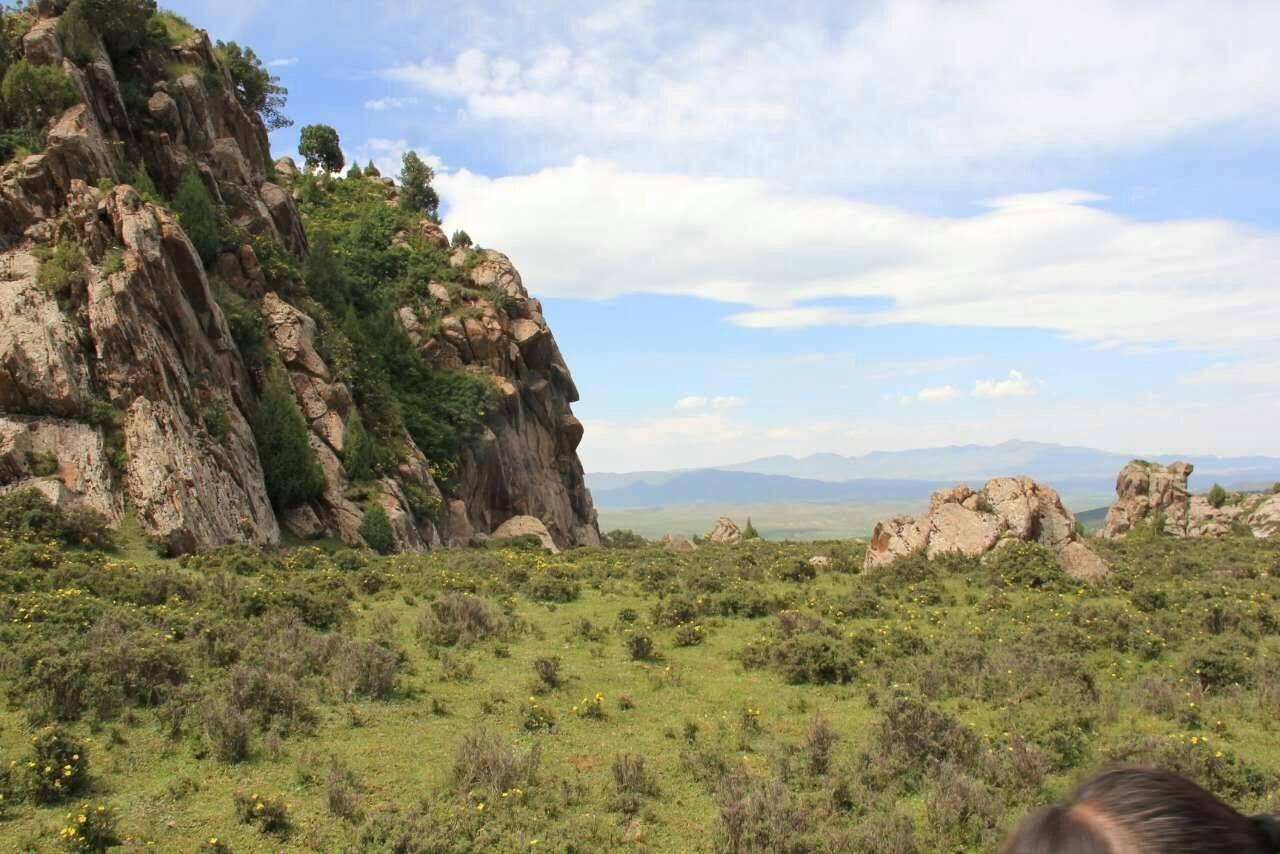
[
  {"x": 1015, "y": 385},
  {"x": 870, "y": 93},
  {"x": 379, "y": 105},
  {"x": 938, "y": 393},
  {"x": 693, "y": 401},
  {"x": 1058, "y": 261}
]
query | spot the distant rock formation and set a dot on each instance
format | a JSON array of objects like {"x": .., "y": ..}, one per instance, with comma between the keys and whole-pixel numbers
[
  {"x": 1147, "y": 493},
  {"x": 678, "y": 543},
  {"x": 724, "y": 532},
  {"x": 976, "y": 523},
  {"x": 1144, "y": 489}
]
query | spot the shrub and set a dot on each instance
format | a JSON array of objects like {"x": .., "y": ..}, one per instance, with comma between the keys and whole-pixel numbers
[
  {"x": 1217, "y": 495},
  {"x": 366, "y": 669},
  {"x": 225, "y": 730},
  {"x": 640, "y": 647},
  {"x": 320, "y": 147},
  {"x": 631, "y": 782},
  {"x": 268, "y": 814},
  {"x": 244, "y": 320},
  {"x": 288, "y": 467},
  {"x": 92, "y": 828},
  {"x": 459, "y": 619},
  {"x": 57, "y": 768},
  {"x": 359, "y": 456},
  {"x": 343, "y": 792},
  {"x": 36, "y": 93},
  {"x": 460, "y": 240},
  {"x": 195, "y": 208},
  {"x": 912, "y": 737},
  {"x": 61, "y": 273},
  {"x": 819, "y": 741},
  {"x": 591, "y": 707},
  {"x": 484, "y": 760},
  {"x": 536, "y": 716},
  {"x": 79, "y": 41},
  {"x": 689, "y": 634},
  {"x": 122, "y": 23},
  {"x": 375, "y": 530},
  {"x": 619, "y": 539},
  {"x": 1220, "y": 665},
  {"x": 548, "y": 672},
  {"x": 1031, "y": 565},
  {"x": 552, "y": 585},
  {"x": 960, "y": 809}
]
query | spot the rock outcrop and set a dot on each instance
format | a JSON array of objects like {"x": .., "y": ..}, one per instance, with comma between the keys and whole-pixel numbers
[
  {"x": 129, "y": 390},
  {"x": 678, "y": 543},
  {"x": 973, "y": 523},
  {"x": 724, "y": 532},
  {"x": 1149, "y": 493},
  {"x": 1144, "y": 490},
  {"x": 525, "y": 526}
]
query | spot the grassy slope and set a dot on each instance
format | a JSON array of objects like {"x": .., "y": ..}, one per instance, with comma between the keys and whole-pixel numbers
[{"x": 401, "y": 751}]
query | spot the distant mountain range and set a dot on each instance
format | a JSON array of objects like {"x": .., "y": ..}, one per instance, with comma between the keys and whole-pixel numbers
[{"x": 1083, "y": 474}]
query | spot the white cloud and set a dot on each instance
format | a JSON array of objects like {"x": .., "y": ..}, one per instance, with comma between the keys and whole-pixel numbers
[
  {"x": 938, "y": 393},
  {"x": 387, "y": 155},
  {"x": 915, "y": 367},
  {"x": 701, "y": 401},
  {"x": 1265, "y": 373},
  {"x": 1056, "y": 261},
  {"x": 283, "y": 63},
  {"x": 1015, "y": 385},
  {"x": 379, "y": 105},
  {"x": 880, "y": 90}
]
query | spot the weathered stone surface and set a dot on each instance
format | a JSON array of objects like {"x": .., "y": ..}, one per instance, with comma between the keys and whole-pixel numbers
[
  {"x": 83, "y": 473},
  {"x": 40, "y": 45},
  {"x": 1006, "y": 509},
  {"x": 1265, "y": 520},
  {"x": 524, "y": 526},
  {"x": 678, "y": 543},
  {"x": 819, "y": 561},
  {"x": 1082, "y": 563},
  {"x": 460, "y": 531},
  {"x": 42, "y": 368},
  {"x": 724, "y": 532},
  {"x": 895, "y": 538},
  {"x": 1145, "y": 489}
]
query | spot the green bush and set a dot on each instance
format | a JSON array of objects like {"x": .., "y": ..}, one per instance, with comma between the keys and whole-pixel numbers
[
  {"x": 92, "y": 829},
  {"x": 1217, "y": 495},
  {"x": 56, "y": 769},
  {"x": 416, "y": 193},
  {"x": 268, "y": 814},
  {"x": 244, "y": 320},
  {"x": 36, "y": 93},
  {"x": 256, "y": 89},
  {"x": 460, "y": 240},
  {"x": 375, "y": 530},
  {"x": 359, "y": 456},
  {"x": 77, "y": 34},
  {"x": 288, "y": 467},
  {"x": 62, "y": 271},
  {"x": 198, "y": 215},
  {"x": 121, "y": 23},
  {"x": 18, "y": 143},
  {"x": 28, "y": 513}
]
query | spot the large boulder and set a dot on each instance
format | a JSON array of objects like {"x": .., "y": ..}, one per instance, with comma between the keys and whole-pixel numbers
[
  {"x": 525, "y": 526},
  {"x": 724, "y": 532},
  {"x": 1144, "y": 490},
  {"x": 678, "y": 543},
  {"x": 975, "y": 523},
  {"x": 1265, "y": 520}
]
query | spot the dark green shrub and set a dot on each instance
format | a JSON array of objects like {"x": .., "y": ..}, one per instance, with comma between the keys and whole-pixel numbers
[
  {"x": 92, "y": 828},
  {"x": 1217, "y": 495},
  {"x": 1026, "y": 564},
  {"x": 37, "y": 93},
  {"x": 375, "y": 530},
  {"x": 122, "y": 23},
  {"x": 199, "y": 216},
  {"x": 640, "y": 647},
  {"x": 42, "y": 464},
  {"x": 460, "y": 240},
  {"x": 62, "y": 273},
  {"x": 56, "y": 769},
  {"x": 284, "y": 448},
  {"x": 1222, "y": 664},
  {"x": 619, "y": 539},
  {"x": 547, "y": 670},
  {"x": 225, "y": 730},
  {"x": 17, "y": 143},
  {"x": 359, "y": 457},
  {"x": 270, "y": 814},
  {"x": 912, "y": 737},
  {"x": 552, "y": 585}
]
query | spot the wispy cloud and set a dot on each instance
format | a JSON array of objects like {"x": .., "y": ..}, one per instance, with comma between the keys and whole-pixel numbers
[
  {"x": 938, "y": 393},
  {"x": 1262, "y": 373},
  {"x": 379, "y": 105},
  {"x": 701, "y": 401},
  {"x": 283, "y": 63}
]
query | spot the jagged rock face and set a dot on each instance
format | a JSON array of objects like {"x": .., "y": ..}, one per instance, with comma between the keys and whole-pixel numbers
[
  {"x": 725, "y": 531},
  {"x": 1144, "y": 489},
  {"x": 1265, "y": 519},
  {"x": 82, "y": 475},
  {"x": 1006, "y": 509},
  {"x": 526, "y": 464}
]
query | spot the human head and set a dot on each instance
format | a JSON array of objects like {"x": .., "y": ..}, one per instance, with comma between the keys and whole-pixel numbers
[{"x": 1143, "y": 811}]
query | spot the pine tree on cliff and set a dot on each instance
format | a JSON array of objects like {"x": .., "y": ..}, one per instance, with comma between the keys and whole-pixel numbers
[
  {"x": 416, "y": 193},
  {"x": 281, "y": 433},
  {"x": 198, "y": 216}
]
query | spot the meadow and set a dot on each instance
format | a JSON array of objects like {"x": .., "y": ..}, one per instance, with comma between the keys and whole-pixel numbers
[{"x": 735, "y": 698}]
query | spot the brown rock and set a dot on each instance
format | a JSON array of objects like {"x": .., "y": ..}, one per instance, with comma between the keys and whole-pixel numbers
[
  {"x": 1265, "y": 520},
  {"x": 1144, "y": 489},
  {"x": 678, "y": 543},
  {"x": 1081, "y": 563},
  {"x": 523, "y": 526},
  {"x": 953, "y": 528},
  {"x": 895, "y": 538},
  {"x": 83, "y": 474},
  {"x": 40, "y": 46},
  {"x": 724, "y": 532}
]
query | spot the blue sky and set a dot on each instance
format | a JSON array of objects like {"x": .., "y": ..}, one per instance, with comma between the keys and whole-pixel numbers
[{"x": 845, "y": 227}]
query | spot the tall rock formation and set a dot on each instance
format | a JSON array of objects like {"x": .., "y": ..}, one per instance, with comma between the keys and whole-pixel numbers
[
  {"x": 123, "y": 388},
  {"x": 1148, "y": 493}
]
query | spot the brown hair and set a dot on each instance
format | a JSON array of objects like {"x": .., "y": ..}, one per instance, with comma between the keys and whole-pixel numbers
[{"x": 1143, "y": 811}]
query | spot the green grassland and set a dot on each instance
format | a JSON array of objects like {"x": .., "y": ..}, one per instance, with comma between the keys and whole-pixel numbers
[
  {"x": 775, "y": 520},
  {"x": 396, "y": 704}
]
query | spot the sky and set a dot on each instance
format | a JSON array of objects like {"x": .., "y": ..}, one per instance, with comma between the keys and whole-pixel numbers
[{"x": 788, "y": 228}]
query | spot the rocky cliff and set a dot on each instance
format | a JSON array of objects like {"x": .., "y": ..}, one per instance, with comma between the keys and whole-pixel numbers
[
  {"x": 125, "y": 387},
  {"x": 1151, "y": 494}
]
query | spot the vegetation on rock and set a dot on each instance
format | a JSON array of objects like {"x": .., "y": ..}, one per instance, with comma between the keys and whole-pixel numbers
[{"x": 288, "y": 466}]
